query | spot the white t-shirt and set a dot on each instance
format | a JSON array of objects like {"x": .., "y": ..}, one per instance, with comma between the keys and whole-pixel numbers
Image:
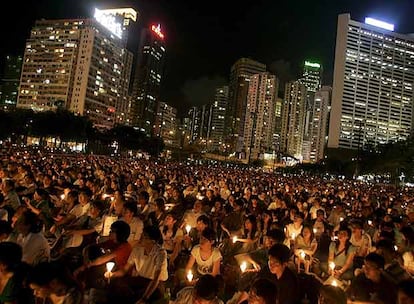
[
  {"x": 408, "y": 259},
  {"x": 147, "y": 265},
  {"x": 136, "y": 226},
  {"x": 205, "y": 267},
  {"x": 78, "y": 210}
]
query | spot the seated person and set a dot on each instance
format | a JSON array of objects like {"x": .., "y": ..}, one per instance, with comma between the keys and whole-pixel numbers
[
  {"x": 373, "y": 285},
  {"x": 332, "y": 295},
  {"x": 30, "y": 237},
  {"x": 205, "y": 256},
  {"x": 148, "y": 260},
  {"x": 205, "y": 290},
  {"x": 52, "y": 283},
  {"x": 116, "y": 249}
]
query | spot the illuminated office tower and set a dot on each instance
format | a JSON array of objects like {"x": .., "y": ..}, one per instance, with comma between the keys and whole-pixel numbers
[
  {"x": 166, "y": 124},
  {"x": 77, "y": 64},
  {"x": 312, "y": 76},
  {"x": 319, "y": 124},
  {"x": 372, "y": 97},
  {"x": 218, "y": 112},
  {"x": 148, "y": 78},
  {"x": 293, "y": 119},
  {"x": 236, "y": 109},
  {"x": 260, "y": 116},
  {"x": 10, "y": 81}
]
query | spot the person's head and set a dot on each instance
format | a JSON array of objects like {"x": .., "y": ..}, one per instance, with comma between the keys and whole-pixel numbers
[
  {"x": 344, "y": 234},
  {"x": 170, "y": 219},
  {"x": 320, "y": 214},
  {"x": 120, "y": 231},
  {"x": 329, "y": 294},
  {"x": 274, "y": 236},
  {"x": 205, "y": 290},
  {"x": 298, "y": 219},
  {"x": 160, "y": 203},
  {"x": 208, "y": 237},
  {"x": 49, "y": 278},
  {"x": 10, "y": 256},
  {"x": 96, "y": 209},
  {"x": 250, "y": 223},
  {"x": 262, "y": 291},
  {"x": 406, "y": 292},
  {"x": 5, "y": 230},
  {"x": 307, "y": 232},
  {"x": 84, "y": 196},
  {"x": 202, "y": 222},
  {"x": 385, "y": 247},
  {"x": 373, "y": 265},
  {"x": 357, "y": 227},
  {"x": 130, "y": 210},
  {"x": 151, "y": 234},
  {"x": 279, "y": 256},
  {"x": 28, "y": 222},
  {"x": 198, "y": 205}
]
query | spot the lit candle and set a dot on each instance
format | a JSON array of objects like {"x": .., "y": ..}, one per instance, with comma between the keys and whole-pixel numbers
[
  {"x": 334, "y": 283},
  {"x": 302, "y": 255},
  {"x": 188, "y": 228},
  {"x": 341, "y": 219},
  {"x": 332, "y": 266},
  {"x": 62, "y": 196},
  {"x": 395, "y": 247},
  {"x": 190, "y": 276},
  {"x": 293, "y": 236},
  {"x": 109, "y": 267},
  {"x": 243, "y": 266},
  {"x": 104, "y": 196},
  {"x": 235, "y": 239},
  {"x": 370, "y": 222},
  {"x": 315, "y": 230}
]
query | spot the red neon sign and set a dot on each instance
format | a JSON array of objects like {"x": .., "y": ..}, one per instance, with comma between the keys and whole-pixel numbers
[{"x": 157, "y": 30}]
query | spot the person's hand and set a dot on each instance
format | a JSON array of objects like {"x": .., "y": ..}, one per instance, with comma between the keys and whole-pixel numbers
[
  {"x": 256, "y": 267},
  {"x": 108, "y": 274},
  {"x": 337, "y": 273}
]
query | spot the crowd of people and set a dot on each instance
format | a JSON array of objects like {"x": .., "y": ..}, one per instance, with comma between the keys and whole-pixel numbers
[{"x": 94, "y": 229}]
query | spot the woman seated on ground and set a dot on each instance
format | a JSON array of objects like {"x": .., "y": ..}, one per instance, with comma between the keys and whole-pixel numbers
[
  {"x": 305, "y": 247},
  {"x": 341, "y": 255},
  {"x": 251, "y": 235},
  {"x": 206, "y": 257},
  {"x": 52, "y": 283},
  {"x": 116, "y": 249},
  {"x": 12, "y": 275},
  {"x": 172, "y": 237}
]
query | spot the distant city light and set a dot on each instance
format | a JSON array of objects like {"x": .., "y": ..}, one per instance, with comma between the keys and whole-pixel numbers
[
  {"x": 157, "y": 30},
  {"x": 379, "y": 23},
  {"x": 312, "y": 64},
  {"x": 109, "y": 22}
]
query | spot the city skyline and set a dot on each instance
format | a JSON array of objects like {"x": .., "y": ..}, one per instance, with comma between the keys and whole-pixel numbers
[{"x": 205, "y": 40}]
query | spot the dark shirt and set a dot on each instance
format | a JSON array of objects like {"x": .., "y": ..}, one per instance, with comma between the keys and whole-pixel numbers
[{"x": 363, "y": 289}]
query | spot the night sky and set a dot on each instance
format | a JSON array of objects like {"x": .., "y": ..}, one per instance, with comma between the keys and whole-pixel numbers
[{"x": 204, "y": 38}]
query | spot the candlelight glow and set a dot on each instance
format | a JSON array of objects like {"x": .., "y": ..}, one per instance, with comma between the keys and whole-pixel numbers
[
  {"x": 188, "y": 228},
  {"x": 190, "y": 276},
  {"x": 110, "y": 266},
  {"x": 243, "y": 266},
  {"x": 235, "y": 239}
]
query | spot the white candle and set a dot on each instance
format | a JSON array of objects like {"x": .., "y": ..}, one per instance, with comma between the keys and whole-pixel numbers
[
  {"x": 293, "y": 236},
  {"x": 243, "y": 266},
  {"x": 332, "y": 266},
  {"x": 235, "y": 239},
  {"x": 190, "y": 276},
  {"x": 370, "y": 222},
  {"x": 315, "y": 230},
  {"x": 62, "y": 196},
  {"x": 188, "y": 228},
  {"x": 302, "y": 255},
  {"x": 109, "y": 267},
  {"x": 334, "y": 283},
  {"x": 341, "y": 219}
]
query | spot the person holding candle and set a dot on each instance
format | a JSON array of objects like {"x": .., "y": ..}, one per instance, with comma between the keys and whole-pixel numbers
[
  {"x": 205, "y": 290},
  {"x": 342, "y": 252},
  {"x": 172, "y": 237},
  {"x": 294, "y": 229},
  {"x": 305, "y": 247},
  {"x": 206, "y": 257},
  {"x": 251, "y": 235}
]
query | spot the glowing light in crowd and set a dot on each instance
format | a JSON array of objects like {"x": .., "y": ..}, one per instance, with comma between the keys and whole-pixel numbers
[
  {"x": 190, "y": 276},
  {"x": 243, "y": 266},
  {"x": 379, "y": 23},
  {"x": 188, "y": 228}
]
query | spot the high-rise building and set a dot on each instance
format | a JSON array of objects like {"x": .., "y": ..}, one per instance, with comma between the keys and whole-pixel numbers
[
  {"x": 166, "y": 124},
  {"x": 148, "y": 78},
  {"x": 10, "y": 80},
  {"x": 236, "y": 109},
  {"x": 199, "y": 124},
  {"x": 293, "y": 119},
  {"x": 319, "y": 124},
  {"x": 260, "y": 116},
  {"x": 372, "y": 97},
  {"x": 312, "y": 76},
  {"x": 77, "y": 64},
  {"x": 218, "y": 112}
]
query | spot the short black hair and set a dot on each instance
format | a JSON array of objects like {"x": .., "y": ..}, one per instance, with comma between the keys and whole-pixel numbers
[
  {"x": 206, "y": 287},
  {"x": 277, "y": 235},
  {"x": 132, "y": 207},
  {"x": 209, "y": 234},
  {"x": 280, "y": 252},
  {"x": 204, "y": 218},
  {"x": 10, "y": 255},
  {"x": 122, "y": 231},
  {"x": 266, "y": 289},
  {"x": 153, "y": 233},
  {"x": 376, "y": 258},
  {"x": 385, "y": 244}
]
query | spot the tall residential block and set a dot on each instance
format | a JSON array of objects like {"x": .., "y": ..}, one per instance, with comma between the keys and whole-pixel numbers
[
  {"x": 240, "y": 74},
  {"x": 10, "y": 79},
  {"x": 77, "y": 64},
  {"x": 293, "y": 119},
  {"x": 259, "y": 129},
  {"x": 319, "y": 124},
  {"x": 218, "y": 112},
  {"x": 372, "y": 97},
  {"x": 166, "y": 124},
  {"x": 148, "y": 77}
]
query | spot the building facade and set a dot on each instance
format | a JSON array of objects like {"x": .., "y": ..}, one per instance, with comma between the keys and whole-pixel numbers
[
  {"x": 218, "y": 112},
  {"x": 166, "y": 124},
  {"x": 259, "y": 129},
  {"x": 293, "y": 119},
  {"x": 77, "y": 64},
  {"x": 10, "y": 80},
  {"x": 372, "y": 97},
  {"x": 240, "y": 75},
  {"x": 148, "y": 78},
  {"x": 319, "y": 124}
]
